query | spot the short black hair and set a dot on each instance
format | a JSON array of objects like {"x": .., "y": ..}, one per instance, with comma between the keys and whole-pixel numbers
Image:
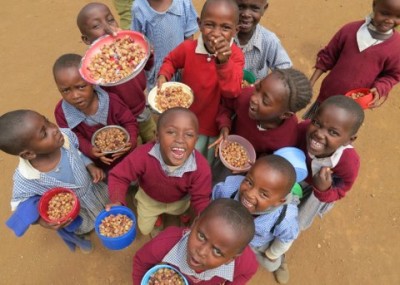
[
  {"x": 66, "y": 61},
  {"x": 300, "y": 90},
  {"x": 83, "y": 14},
  {"x": 13, "y": 139},
  {"x": 231, "y": 3},
  {"x": 281, "y": 165},
  {"x": 350, "y": 106},
  {"x": 236, "y": 215},
  {"x": 166, "y": 114}
]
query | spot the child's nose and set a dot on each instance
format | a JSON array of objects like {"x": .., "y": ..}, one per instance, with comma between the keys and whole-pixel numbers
[{"x": 202, "y": 251}]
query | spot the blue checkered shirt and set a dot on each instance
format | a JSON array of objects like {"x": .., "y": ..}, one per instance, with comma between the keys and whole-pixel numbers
[
  {"x": 286, "y": 231},
  {"x": 165, "y": 30},
  {"x": 177, "y": 257},
  {"x": 263, "y": 52},
  {"x": 74, "y": 116}
]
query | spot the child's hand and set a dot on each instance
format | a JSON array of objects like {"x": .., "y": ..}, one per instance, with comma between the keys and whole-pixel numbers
[
  {"x": 323, "y": 179},
  {"x": 109, "y": 206},
  {"x": 54, "y": 226},
  {"x": 96, "y": 173},
  {"x": 96, "y": 152},
  {"x": 222, "y": 136},
  {"x": 378, "y": 100},
  {"x": 222, "y": 48},
  {"x": 161, "y": 80},
  {"x": 122, "y": 152}
]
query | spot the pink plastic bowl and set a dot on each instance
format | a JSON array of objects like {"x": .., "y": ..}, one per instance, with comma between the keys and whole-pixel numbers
[
  {"x": 44, "y": 205},
  {"x": 363, "y": 101},
  {"x": 251, "y": 153}
]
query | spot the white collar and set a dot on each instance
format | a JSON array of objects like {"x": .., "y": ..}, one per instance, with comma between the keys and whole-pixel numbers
[
  {"x": 330, "y": 161},
  {"x": 364, "y": 38}
]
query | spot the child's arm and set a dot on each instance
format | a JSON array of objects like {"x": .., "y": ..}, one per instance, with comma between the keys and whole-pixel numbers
[
  {"x": 339, "y": 179},
  {"x": 224, "y": 123},
  {"x": 172, "y": 62},
  {"x": 96, "y": 173},
  {"x": 315, "y": 76},
  {"x": 200, "y": 189}
]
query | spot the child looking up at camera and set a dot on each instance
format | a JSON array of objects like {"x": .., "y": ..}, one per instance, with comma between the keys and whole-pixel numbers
[
  {"x": 262, "y": 49},
  {"x": 212, "y": 67},
  {"x": 85, "y": 109},
  {"x": 166, "y": 24},
  {"x": 332, "y": 161},
  {"x": 49, "y": 158},
  {"x": 362, "y": 54},
  {"x": 266, "y": 113},
  {"x": 213, "y": 251},
  {"x": 265, "y": 192},
  {"x": 171, "y": 174},
  {"x": 96, "y": 20}
]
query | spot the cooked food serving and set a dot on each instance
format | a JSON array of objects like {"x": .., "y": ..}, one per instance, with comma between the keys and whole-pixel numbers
[
  {"x": 60, "y": 205},
  {"x": 110, "y": 139},
  {"x": 166, "y": 276},
  {"x": 116, "y": 60},
  {"x": 115, "y": 225},
  {"x": 172, "y": 96},
  {"x": 235, "y": 155}
]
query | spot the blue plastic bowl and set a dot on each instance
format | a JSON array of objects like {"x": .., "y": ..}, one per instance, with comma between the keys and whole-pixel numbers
[
  {"x": 297, "y": 158},
  {"x": 151, "y": 271},
  {"x": 116, "y": 243}
]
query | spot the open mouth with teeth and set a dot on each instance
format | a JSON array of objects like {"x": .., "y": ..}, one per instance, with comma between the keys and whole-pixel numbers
[
  {"x": 315, "y": 146},
  {"x": 178, "y": 152},
  {"x": 250, "y": 206}
]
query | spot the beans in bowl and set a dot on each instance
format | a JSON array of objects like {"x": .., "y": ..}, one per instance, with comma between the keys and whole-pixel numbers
[
  {"x": 60, "y": 206},
  {"x": 166, "y": 276},
  {"x": 172, "y": 96},
  {"x": 115, "y": 225},
  {"x": 110, "y": 139},
  {"x": 235, "y": 155}
]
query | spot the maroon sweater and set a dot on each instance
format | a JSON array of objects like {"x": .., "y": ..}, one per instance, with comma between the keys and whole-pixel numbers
[
  {"x": 118, "y": 114},
  {"x": 344, "y": 173},
  {"x": 208, "y": 80},
  {"x": 154, "y": 251},
  {"x": 377, "y": 66},
  {"x": 146, "y": 169},
  {"x": 264, "y": 142}
]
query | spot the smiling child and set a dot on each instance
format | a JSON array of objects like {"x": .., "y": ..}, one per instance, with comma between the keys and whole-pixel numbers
[
  {"x": 171, "y": 174},
  {"x": 213, "y": 251}
]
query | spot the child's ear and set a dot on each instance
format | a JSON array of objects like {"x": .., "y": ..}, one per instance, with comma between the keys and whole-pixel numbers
[
  {"x": 85, "y": 39},
  {"x": 265, "y": 7},
  {"x": 353, "y": 138},
  {"x": 198, "y": 21},
  {"x": 286, "y": 115},
  {"x": 280, "y": 202},
  {"x": 27, "y": 154}
]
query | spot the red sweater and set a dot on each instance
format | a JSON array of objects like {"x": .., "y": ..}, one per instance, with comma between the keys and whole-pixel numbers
[
  {"x": 344, "y": 173},
  {"x": 264, "y": 142},
  {"x": 208, "y": 80},
  {"x": 118, "y": 114},
  {"x": 377, "y": 66},
  {"x": 146, "y": 169},
  {"x": 154, "y": 251}
]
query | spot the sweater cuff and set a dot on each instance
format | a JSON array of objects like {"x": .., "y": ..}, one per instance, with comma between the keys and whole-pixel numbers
[
  {"x": 323, "y": 196},
  {"x": 118, "y": 196}
]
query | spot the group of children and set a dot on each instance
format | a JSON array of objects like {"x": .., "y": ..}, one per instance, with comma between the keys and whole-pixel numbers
[{"x": 241, "y": 220}]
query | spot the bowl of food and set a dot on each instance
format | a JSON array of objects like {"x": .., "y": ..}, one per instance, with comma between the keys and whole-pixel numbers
[
  {"x": 362, "y": 96},
  {"x": 163, "y": 274},
  {"x": 116, "y": 228},
  {"x": 237, "y": 153},
  {"x": 170, "y": 95},
  {"x": 58, "y": 205},
  {"x": 112, "y": 60},
  {"x": 248, "y": 78},
  {"x": 110, "y": 139}
]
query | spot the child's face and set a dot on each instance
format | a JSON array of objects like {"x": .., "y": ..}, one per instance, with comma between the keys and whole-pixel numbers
[
  {"x": 262, "y": 188},
  {"x": 75, "y": 90},
  {"x": 270, "y": 100},
  {"x": 250, "y": 13},
  {"x": 218, "y": 20},
  {"x": 212, "y": 242},
  {"x": 44, "y": 137},
  {"x": 177, "y": 137},
  {"x": 99, "y": 21},
  {"x": 386, "y": 15},
  {"x": 330, "y": 128}
]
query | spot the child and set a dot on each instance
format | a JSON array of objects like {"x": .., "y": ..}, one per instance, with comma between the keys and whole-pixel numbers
[
  {"x": 170, "y": 173},
  {"x": 213, "y": 251},
  {"x": 49, "y": 157},
  {"x": 166, "y": 24},
  {"x": 265, "y": 192},
  {"x": 212, "y": 67},
  {"x": 332, "y": 161},
  {"x": 96, "y": 20},
  {"x": 265, "y": 114},
  {"x": 85, "y": 110},
  {"x": 262, "y": 48},
  {"x": 362, "y": 54}
]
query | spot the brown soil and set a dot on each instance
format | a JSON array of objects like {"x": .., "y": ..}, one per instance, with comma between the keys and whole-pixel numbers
[{"x": 356, "y": 243}]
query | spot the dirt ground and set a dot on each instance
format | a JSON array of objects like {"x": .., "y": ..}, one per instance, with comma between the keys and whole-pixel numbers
[{"x": 356, "y": 243}]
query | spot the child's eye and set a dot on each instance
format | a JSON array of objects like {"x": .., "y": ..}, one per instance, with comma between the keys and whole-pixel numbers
[
  {"x": 217, "y": 252},
  {"x": 170, "y": 132},
  {"x": 65, "y": 91},
  {"x": 189, "y": 135},
  {"x": 80, "y": 87},
  {"x": 315, "y": 123},
  {"x": 226, "y": 28},
  {"x": 263, "y": 195},
  {"x": 333, "y": 133},
  {"x": 200, "y": 236}
]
